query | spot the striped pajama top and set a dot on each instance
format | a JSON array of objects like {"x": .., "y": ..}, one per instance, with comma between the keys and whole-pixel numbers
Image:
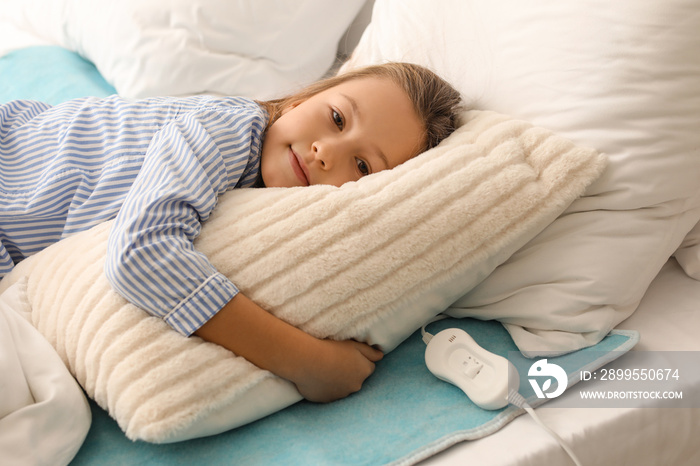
[{"x": 156, "y": 165}]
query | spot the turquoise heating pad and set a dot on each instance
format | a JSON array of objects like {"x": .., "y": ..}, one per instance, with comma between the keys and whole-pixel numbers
[
  {"x": 49, "y": 74},
  {"x": 402, "y": 415}
]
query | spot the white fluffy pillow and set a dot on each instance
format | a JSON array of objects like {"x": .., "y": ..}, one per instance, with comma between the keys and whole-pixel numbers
[
  {"x": 255, "y": 48},
  {"x": 623, "y": 77},
  {"x": 371, "y": 260}
]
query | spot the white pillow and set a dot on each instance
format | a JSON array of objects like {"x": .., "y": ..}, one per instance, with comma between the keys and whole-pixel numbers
[
  {"x": 371, "y": 260},
  {"x": 688, "y": 255},
  {"x": 255, "y": 48},
  {"x": 623, "y": 77}
]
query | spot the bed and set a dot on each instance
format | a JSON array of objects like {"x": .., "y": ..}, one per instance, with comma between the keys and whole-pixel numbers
[{"x": 624, "y": 255}]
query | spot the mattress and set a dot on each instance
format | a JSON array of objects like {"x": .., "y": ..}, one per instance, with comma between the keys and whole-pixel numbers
[{"x": 668, "y": 320}]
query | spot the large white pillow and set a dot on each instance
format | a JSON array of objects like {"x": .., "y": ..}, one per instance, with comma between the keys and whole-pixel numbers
[
  {"x": 371, "y": 260},
  {"x": 623, "y": 77},
  {"x": 255, "y": 48},
  {"x": 688, "y": 254}
]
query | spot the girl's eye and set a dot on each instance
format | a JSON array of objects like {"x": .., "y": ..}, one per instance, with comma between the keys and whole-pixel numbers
[
  {"x": 337, "y": 119},
  {"x": 362, "y": 167}
]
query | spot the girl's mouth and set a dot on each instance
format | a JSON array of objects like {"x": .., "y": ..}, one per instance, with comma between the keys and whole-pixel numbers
[{"x": 298, "y": 167}]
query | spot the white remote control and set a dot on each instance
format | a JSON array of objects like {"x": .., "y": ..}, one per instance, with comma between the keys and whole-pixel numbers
[{"x": 453, "y": 356}]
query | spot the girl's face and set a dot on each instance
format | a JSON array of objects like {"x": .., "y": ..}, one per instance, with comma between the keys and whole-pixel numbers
[{"x": 356, "y": 128}]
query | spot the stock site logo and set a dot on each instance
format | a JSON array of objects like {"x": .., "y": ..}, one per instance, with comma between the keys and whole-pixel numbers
[{"x": 542, "y": 370}]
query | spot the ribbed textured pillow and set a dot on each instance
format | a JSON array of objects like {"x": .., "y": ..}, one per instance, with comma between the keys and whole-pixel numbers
[{"x": 371, "y": 260}]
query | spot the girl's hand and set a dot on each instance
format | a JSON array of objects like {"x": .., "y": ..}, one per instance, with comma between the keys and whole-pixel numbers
[
  {"x": 322, "y": 370},
  {"x": 339, "y": 369}
]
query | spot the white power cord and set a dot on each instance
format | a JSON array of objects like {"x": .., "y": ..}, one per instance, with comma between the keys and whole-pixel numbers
[
  {"x": 428, "y": 336},
  {"x": 518, "y": 400}
]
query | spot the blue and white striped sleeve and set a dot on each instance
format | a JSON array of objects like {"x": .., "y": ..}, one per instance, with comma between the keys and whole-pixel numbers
[
  {"x": 6, "y": 263},
  {"x": 151, "y": 259}
]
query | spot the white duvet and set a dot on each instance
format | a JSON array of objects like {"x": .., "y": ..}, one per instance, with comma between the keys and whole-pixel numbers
[{"x": 44, "y": 416}]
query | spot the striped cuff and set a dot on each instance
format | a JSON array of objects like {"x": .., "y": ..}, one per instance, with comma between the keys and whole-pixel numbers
[{"x": 200, "y": 306}]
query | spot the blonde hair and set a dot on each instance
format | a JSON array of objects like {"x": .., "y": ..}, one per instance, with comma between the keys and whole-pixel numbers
[{"x": 435, "y": 101}]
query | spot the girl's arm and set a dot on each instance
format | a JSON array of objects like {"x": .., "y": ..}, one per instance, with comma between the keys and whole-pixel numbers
[
  {"x": 322, "y": 370},
  {"x": 151, "y": 260}
]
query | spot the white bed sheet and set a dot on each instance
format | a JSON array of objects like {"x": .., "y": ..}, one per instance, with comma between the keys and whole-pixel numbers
[
  {"x": 668, "y": 319},
  {"x": 44, "y": 415}
]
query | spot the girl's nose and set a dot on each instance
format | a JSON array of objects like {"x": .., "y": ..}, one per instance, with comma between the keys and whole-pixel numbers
[{"x": 325, "y": 153}]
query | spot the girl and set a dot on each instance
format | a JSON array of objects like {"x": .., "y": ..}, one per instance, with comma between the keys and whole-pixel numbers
[{"x": 157, "y": 167}]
